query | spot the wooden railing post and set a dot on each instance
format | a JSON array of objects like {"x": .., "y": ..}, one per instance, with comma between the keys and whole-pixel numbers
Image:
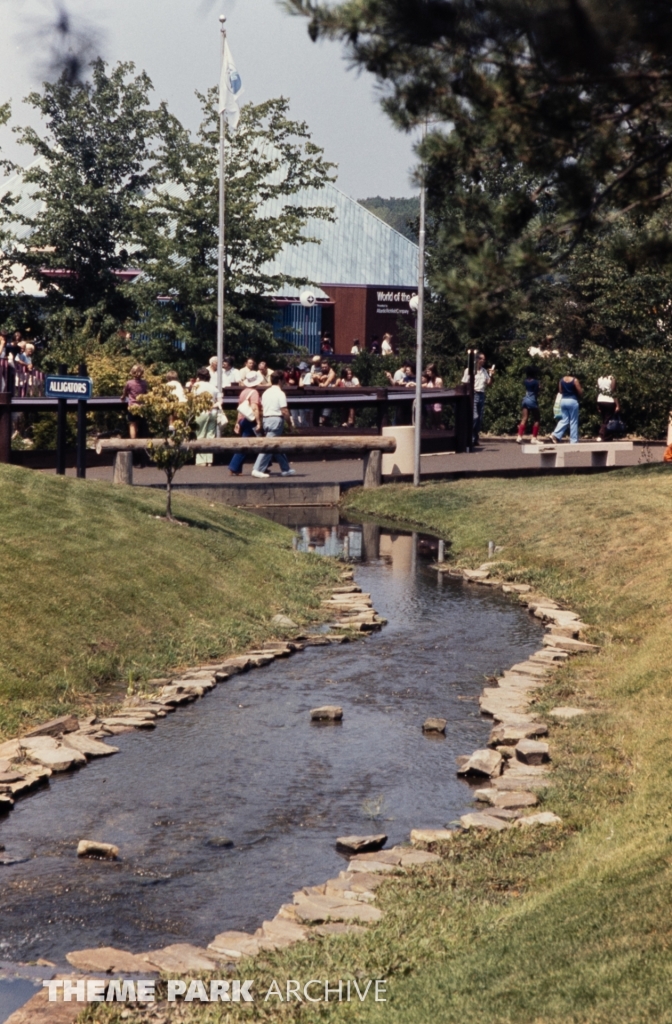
[
  {"x": 5, "y": 426},
  {"x": 373, "y": 469},
  {"x": 123, "y": 468}
]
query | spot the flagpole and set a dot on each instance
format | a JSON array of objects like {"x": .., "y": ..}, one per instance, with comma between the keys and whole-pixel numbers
[
  {"x": 222, "y": 225},
  {"x": 419, "y": 328}
]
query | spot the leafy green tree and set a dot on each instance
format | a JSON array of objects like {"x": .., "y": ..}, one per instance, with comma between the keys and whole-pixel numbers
[
  {"x": 570, "y": 99},
  {"x": 172, "y": 423},
  {"x": 97, "y": 157},
  {"x": 269, "y": 159}
]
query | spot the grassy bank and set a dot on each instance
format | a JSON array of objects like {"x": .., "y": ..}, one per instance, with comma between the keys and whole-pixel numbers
[
  {"x": 566, "y": 925},
  {"x": 98, "y": 591}
]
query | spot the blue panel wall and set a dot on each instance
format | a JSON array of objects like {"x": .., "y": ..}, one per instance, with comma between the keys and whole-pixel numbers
[{"x": 299, "y": 327}]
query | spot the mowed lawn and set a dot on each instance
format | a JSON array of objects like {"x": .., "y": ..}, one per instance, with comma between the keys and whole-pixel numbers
[
  {"x": 568, "y": 925},
  {"x": 99, "y": 592}
]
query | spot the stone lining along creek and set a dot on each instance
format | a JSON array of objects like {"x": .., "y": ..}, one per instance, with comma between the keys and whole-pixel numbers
[{"x": 245, "y": 764}]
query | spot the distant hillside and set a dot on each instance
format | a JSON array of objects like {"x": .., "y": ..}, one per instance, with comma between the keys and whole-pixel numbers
[{"x": 401, "y": 214}]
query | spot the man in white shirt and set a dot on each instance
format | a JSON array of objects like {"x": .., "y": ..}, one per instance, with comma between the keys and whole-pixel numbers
[
  {"x": 230, "y": 375},
  {"x": 275, "y": 415},
  {"x": 482, "y": 380}
]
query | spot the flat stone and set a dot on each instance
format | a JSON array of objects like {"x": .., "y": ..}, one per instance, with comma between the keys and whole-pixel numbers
[
  {"x": 234, "y": 945},
  {"x": 350, "y": 588},
  {"x": 181, "y": 958},
  {"x": 570, "y": 631},
  {"x": 567, "y": 713},
  {"x": 482, "y": 820},
  {"x": 532, "y": 752},
  {"x": 8, "y": 776},
  {"x": 432, "y": 835},
  {"x": 30, "y": 781},
  {"x": 512, "y": 734},
  {"x": 55, "y": 727},
  {"x": 549, "y": 656},
  {"x": 338, "y": 928},
  {"x": 485, "y": 794},
  {"x": 88, "y": 746},
  {"x": 327, "y": 713},
  {"x": 392, "y": 856},
  {"x": 10, "y": 750},
  {"x": 541, "y": 602},
  {"x": 513, "y": 800},
  {"x": 128, "y": 722},
  {"x": 321, "y": 909},
  {"x": 116, "y": 730},
  {"x": 543, "y": 818},
  {"x": 361, "y": 844},
  {"x": 49, "y": 752},
  {"x": 418, "y": 858},
  {"x": 527, "y": 668},
  {"x": 375, "y": 866},
  {"x": 352, "y": 885},
  {"x": 516, "y": 588},
  {"x": 106, "y": 959},
  {"x": 284, "y": 932},
  {"x": 284, "y": 622},
  {"x": 475, "y": 574},
  {"x": 435, "y": 725},
  {"x": 567, "y": 643},
  {"x": 482, "y": 762},
  {"x": 92, "y": 848}
]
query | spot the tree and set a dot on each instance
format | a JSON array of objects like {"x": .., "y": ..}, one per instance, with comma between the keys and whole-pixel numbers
[
  {"x": 173, "y": 423},
  {"x": 571, "y": 99},
  {"x": 96, "y": 160},
  {"x": 270, "y": 158}
]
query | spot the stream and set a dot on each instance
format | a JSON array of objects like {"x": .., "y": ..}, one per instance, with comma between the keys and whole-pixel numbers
[{"x": 245, "y": 765}]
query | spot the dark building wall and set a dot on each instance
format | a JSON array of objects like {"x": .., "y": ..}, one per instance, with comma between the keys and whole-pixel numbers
[
  {"x": 363, "y": 311},
  {"x": 349, "y": 315}
]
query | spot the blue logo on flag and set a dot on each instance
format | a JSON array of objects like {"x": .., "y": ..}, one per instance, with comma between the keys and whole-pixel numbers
[{"x": 235, "y": 82}]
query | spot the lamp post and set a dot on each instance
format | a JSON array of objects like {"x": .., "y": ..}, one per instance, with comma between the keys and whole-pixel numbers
[
  {"x": 417, "y": 304},
  {"x": 307, "y": 300},
  {"x": 222, "y": 229}
]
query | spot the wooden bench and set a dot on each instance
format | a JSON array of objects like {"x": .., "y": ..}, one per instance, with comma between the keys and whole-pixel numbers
[
  {"x": 371, "y": 448},
  {"x": 552, "y": 456}
]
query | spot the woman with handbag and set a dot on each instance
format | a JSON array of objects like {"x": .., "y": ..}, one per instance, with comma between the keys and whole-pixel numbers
[
  {"x": 248, "y": 422},
  {"x": 610, "y": 410},
  {"x": 570, "y": 392}
]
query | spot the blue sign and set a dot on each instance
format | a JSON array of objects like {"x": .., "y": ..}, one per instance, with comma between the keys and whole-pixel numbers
[{"x": 68, "y": 387}]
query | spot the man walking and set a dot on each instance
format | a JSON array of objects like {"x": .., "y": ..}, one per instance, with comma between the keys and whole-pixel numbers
[
  {"x": 275, "y": 415},
  {"x": 482, "y": 381}
]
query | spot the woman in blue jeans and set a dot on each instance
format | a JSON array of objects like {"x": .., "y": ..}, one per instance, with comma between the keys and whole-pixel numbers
[{"x": 570, "y": 392}]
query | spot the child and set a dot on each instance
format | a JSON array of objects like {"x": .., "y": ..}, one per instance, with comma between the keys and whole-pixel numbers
[{"x": 530, "y": 404}]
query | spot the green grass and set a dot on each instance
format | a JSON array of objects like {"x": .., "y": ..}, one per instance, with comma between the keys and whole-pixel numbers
[
  {"x": 568, "y": 925},
  {"x": 99, "y": 591}
]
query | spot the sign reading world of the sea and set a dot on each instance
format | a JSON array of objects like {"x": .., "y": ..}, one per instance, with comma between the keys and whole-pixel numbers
[{"x": 68, "y": 387}]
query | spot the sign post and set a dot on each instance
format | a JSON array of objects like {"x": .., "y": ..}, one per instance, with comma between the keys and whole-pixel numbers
[
  {"x": 61, "y": 426},
  {"x": 81, "y": 429},
  {"x": 64, "y": 387}
]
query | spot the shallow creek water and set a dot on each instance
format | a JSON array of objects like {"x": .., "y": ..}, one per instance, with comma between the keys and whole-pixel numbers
[{"x": 245, "y": 763}]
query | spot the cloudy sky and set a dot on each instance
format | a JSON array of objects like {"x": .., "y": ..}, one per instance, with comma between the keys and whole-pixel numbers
[{"x": 176, "y": 42}]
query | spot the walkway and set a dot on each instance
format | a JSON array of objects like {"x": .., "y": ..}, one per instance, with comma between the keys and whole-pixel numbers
[{"x": 497, "y": 457}]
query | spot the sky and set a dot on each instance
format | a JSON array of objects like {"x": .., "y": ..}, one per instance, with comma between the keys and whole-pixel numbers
[{"x": 177, "y": 43}]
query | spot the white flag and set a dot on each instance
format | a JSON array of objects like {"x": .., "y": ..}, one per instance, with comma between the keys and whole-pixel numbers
[{"x": 230, "y": 85}]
